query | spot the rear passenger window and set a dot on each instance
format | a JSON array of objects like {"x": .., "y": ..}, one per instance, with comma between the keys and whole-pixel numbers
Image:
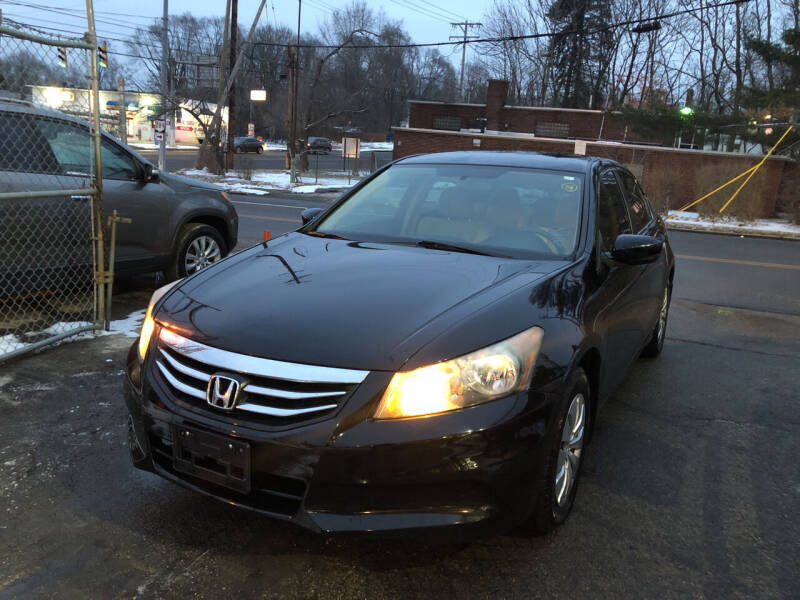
[
  {"x": 612, "y": 215},
  {"x": 23, "y": 148},
  {"x": 637, "y": 202}
]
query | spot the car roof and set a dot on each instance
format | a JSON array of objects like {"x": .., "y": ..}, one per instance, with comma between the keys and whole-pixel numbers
[{"x": 512, "y": 158}]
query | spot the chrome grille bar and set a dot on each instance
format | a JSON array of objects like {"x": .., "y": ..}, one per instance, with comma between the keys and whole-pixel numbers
[
  {"x": 261, "y": 367},
  {"x": 180, "y": 361}
]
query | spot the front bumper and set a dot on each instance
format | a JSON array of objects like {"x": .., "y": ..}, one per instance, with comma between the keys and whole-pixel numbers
[{"x": 475, "y": 467}]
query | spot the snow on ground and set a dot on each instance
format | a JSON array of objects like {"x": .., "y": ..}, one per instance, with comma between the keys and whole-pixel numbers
[
  {"x": 152, "y": 146},
  {"x": 128, "y": 326},
  {"x": 768, "y": 227},
  {"x": 262, "y": 181}
]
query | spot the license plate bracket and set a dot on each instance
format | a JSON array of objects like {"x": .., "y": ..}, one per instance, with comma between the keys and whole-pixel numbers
[{"x": 212, "y": 457}]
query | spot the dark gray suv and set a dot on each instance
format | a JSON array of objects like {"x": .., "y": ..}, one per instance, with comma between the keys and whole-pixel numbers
[{"x": 179, "y": 225}]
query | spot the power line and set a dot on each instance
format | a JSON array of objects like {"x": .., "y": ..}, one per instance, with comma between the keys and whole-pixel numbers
[
  {"x": 74, "y": 10},
  {"x": 530, "y": 36},
  {"x": 422, "y": 11}
]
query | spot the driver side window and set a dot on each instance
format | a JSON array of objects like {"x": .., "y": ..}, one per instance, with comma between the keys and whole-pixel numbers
[{"x": 612, "y": 215}]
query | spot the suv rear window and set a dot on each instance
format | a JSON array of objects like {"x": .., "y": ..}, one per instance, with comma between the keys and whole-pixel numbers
[{"x": 23, "y": 147}]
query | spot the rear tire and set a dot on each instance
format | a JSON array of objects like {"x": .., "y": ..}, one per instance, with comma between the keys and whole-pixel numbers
[
  {"x": 198, "y": 245},
  {"x": 554, "y": 493}
]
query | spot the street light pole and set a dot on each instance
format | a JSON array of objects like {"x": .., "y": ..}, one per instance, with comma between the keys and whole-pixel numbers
[{"x": 162, "y": 148}]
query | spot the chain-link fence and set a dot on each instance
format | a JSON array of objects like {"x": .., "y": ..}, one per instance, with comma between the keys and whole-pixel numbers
[{"x": 49, "y": 200}]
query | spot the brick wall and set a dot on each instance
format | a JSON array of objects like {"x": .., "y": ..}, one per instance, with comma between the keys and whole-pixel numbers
[
  {"x": 584, "y": 124},
  {"x": 671, "y": 177}
]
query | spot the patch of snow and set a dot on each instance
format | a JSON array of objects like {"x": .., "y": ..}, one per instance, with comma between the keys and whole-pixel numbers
[
  {"x": 313, "y": 188},
  {"x": 129, "y": 326},
  {"x": 196, "y": 172},
  {"x": 238, "y": 188},
  {"x": 10, "y": 343},
  {"x": 731, "y": 224},
  {"x": 154, "y": 146}
]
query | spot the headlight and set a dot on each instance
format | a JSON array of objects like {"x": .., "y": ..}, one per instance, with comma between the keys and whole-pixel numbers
[
  {"x": 149, "y": 325},
  {"x": 480, "y": 376}
]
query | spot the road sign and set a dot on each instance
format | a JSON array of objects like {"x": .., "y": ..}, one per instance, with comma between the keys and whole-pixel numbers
[
  {"x": 160, "y": 125},
  {"x": 258, "y": 95},
  {"x": 251, "y": 129},
  {"x": 351, "y": 147}
]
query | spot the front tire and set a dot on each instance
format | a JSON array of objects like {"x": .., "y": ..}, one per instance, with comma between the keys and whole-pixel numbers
[
  {"x": 197, "y": 247},
  {"x": 259, "y": 150},
  {"x": 554, "y": 493}
]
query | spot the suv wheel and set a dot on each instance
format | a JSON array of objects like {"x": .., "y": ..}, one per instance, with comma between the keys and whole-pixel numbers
[
  {"x": 197, "y": 247},
  {"x": 555, "y": 491}
]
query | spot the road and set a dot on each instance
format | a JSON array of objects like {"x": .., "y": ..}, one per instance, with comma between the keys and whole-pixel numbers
[
  {"x": 690, "y": 489},
  {"x": 272, "y": 159}
]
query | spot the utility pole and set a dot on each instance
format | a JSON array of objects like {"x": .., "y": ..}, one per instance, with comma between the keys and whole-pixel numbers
[
  {"x": 234, "y": 30},
  {"x": 464, "y": 26},
  {"x": 162, "y": 148},
  {"x": 123, "y": 111},
  {"x": 294, "y": 57}
]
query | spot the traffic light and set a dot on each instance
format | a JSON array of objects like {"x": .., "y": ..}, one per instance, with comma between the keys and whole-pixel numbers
[
  {"x": 102, "y": 55},
  {"x": 62, "y": 57}
]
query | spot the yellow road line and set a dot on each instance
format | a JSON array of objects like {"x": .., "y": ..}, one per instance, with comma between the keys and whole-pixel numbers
[{"x": 750, "y": 263}]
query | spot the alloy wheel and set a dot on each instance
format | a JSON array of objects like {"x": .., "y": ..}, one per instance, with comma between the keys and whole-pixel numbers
[
  {"x": 662, "y": 317},
  {"x": 203, "y": 251},
  {"x": 569, "y": 454}
]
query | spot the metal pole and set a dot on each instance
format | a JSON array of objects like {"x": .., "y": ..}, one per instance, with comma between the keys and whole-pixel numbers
[
  {"x": 233, "y": 33},
  {"x": 162, "y": 147},
  {"x": 100, "y": 272},
  {"x": 123, "y": 113},
  {"x": 296, "y": 70}
]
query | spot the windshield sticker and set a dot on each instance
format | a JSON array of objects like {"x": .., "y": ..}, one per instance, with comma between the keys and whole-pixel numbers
[{"x": 569, "y": 187}]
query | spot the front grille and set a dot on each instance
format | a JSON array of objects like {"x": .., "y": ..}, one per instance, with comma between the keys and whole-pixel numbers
[{"x": 272, "y": 392}]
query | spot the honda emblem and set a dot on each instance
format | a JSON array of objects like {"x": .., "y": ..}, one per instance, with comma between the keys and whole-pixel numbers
[{"x": 223, "y": 392}]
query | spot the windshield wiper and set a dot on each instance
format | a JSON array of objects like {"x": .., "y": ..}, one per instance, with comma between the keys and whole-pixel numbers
[
  {"x": 325, "y": 234},
  {"x": 433, "y": 245}
]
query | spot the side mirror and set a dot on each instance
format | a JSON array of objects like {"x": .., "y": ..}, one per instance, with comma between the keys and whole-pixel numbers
[
  {"x": 150, "y": 174},
  {"x": 309, "y": 214},
  {"x": 636, "y": 249}
]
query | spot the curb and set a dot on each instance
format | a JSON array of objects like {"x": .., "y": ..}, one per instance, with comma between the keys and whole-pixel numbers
[{"x": 743, "y": 231}]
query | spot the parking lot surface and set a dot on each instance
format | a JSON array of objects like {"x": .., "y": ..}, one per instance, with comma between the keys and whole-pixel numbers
[{"x": 691, "y": 487}]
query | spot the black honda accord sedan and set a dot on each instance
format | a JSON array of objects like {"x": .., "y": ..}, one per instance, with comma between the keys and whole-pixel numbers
[{"x": 431, "y": 350}]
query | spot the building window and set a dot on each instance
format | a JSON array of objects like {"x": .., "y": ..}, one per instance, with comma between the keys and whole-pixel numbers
[
  {"x": 447, "y": 123},
  {"x": 552, "y": 130}
]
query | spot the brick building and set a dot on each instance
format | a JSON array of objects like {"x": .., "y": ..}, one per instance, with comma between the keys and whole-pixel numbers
[
  {"x": 496, "y": 116},
  {"x": 672, "y": 177}
]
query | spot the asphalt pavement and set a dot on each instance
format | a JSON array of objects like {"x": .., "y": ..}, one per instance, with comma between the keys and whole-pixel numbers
[{"x": 690, "y": 489}]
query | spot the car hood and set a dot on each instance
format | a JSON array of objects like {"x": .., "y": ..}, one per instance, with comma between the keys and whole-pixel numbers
[
  {"x": 340, "y": 303},
  {"x": 185, "y": 184}
]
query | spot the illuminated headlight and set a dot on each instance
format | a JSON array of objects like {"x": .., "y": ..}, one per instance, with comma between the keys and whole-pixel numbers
[
  {"x": 149, "y": 325},
  {"x": 480, "y": 376}
]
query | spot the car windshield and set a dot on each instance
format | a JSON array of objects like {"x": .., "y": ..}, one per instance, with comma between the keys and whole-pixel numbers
[{"x": 504, "y": 211}]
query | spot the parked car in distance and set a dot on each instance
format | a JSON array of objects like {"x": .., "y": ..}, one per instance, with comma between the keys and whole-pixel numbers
[
  {"x": 247, "y": 144},
  {"x": 178, "y": 225},
  {"x": 317, "y": 145},
  {"x": 433, "y": 351}
]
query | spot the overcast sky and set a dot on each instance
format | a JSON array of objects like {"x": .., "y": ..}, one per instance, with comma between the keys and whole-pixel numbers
[{"x": 424, "y": 20}]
